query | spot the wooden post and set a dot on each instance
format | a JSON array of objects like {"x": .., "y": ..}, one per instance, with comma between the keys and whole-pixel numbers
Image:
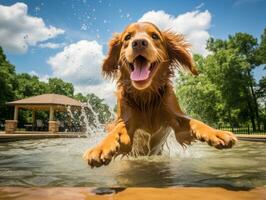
[
  {"x": 51, "y": 114},
  {"x": 10, "y": 126},
  {"x": 69, "y": 124},
  {"x": 33, "y": 116},
  {"x": 33, "y": 119},
  {"x": 16, "y": 113},
  {"x": 53, "y": 125}
]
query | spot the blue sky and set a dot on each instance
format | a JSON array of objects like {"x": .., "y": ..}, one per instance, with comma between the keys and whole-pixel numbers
[{"x": 95, "y": 21}]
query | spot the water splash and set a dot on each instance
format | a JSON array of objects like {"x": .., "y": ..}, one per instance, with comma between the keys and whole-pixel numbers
[
  {"x": 87, "y": 119},
  {"x": 172, "y": 148}
]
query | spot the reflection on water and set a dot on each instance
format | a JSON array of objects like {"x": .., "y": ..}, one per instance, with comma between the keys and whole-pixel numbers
[{"x": 58, "y": 162}]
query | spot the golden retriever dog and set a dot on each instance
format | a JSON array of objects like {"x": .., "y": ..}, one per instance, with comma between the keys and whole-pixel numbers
[{"x": 142, "y": 60}]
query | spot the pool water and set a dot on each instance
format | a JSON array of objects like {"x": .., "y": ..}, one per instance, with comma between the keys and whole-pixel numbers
[{"x": 58, "y": 162}]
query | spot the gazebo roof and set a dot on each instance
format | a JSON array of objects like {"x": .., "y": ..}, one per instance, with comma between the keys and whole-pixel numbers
[{"x": 47, "y": 99}]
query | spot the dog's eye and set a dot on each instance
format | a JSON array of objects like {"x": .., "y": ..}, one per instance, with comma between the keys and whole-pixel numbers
[
  {"x": 155, "y": 36},
  {"x": 127, "y": 37}
]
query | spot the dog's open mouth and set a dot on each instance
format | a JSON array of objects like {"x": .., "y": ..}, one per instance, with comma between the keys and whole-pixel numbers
[{"x": 141, "y": 69}]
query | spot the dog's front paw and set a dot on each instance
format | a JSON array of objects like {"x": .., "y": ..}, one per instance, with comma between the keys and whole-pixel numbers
[
  {"x": 221, "y": 139},
  {"x": 117, "y": 142},
  {"x": 102, "y": 154}
]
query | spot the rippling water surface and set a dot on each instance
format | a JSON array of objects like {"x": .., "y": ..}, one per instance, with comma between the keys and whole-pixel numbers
[{"x": 58, "y": 162}]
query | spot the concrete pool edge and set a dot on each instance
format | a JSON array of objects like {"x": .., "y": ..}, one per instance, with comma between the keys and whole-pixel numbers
[
  {"x": 252, "y": 137},
  {"x": 132, "y": 193},
  {"x": 20, "y": 135},
  {"x": 40, "y": 135}
]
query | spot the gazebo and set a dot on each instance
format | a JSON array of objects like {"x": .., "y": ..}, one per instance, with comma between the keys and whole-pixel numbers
[{"x": 46, "y": 102}]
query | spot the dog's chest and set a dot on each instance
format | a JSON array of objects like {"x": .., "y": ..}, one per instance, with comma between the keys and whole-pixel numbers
[
  {"x": 150, "y": 121},
  {"x": 147, "y": 143}
]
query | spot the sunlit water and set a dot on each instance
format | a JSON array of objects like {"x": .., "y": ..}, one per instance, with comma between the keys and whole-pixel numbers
[{"x": 58, "y": 162}]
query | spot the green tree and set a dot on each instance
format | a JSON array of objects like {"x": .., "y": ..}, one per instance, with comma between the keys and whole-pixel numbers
[
  {"x": 215, "y": 95},
  {"x": 199, "y": 96},
  {"x": 247, "y": 46},
  {"x": 58, "y": 86},
  {"x": 28, "y": 85},
  {"x": 7, "y": 82},
  {"x": 81, "y": 97},
  {"x": 225, "y": 88},
  {"x": 225, "y": 70},
  {"x": 261, "y": 90},
  {"x": 262, "y": 48},
  {"x": 261, "y": 94}
]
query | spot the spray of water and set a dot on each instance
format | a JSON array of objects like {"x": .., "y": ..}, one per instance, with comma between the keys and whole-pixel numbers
[{"x": 87, "y": 119}]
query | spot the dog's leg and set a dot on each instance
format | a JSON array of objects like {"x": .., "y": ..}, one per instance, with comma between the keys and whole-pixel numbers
[
  {"x": 116, "y": 142},
  {"x": 187, "y": 130}
]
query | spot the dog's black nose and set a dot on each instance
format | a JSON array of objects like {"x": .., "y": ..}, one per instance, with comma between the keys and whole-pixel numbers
[{"x": 139, "y": 44}]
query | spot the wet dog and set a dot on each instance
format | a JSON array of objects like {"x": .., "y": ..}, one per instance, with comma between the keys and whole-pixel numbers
[{"x": 142, "y": 60}]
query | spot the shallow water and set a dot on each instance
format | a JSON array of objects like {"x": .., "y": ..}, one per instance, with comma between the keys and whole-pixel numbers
[{"x": 58, "y": 162}]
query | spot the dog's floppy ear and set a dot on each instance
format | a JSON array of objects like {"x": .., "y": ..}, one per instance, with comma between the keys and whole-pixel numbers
[
  {"x": 110, "y": 64},
  {"x": 178, "y": 52}
]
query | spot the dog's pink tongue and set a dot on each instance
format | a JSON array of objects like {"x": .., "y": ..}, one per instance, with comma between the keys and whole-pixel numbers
[{"x": 141, "y": 71}]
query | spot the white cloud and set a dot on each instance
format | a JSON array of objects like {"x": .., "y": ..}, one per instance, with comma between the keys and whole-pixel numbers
[
  {"x": 194, "y": 25},
  {"x": 33, "y": 73},
  {"x": 80, "y": 63},
  {"x": 199, "y": 6},
  {"x": 20, "y": 30},
  {"x": 43, "y": 78},
  {"x": 51, "y": 45},
  {"x": 241, "y": 2},
  {"x": 104, "y": 90}
]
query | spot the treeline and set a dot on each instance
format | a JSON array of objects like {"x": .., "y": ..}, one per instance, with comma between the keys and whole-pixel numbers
[
  {"x": 225, "y": 92},
  {"x": 14, "y": 86}
]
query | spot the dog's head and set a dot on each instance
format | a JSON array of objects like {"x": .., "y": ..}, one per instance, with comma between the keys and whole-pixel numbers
[{"x": 144, "y": 55}]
